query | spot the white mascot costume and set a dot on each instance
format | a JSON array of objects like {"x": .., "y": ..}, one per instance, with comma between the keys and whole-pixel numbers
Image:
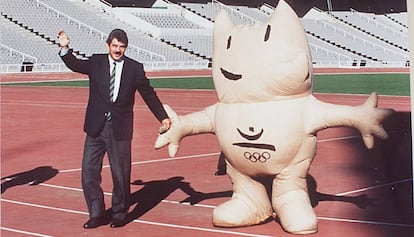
[{"x": 266, "y": 120}]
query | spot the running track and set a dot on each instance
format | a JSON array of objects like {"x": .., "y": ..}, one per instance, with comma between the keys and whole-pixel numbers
[{"x": 356, "y": 192}]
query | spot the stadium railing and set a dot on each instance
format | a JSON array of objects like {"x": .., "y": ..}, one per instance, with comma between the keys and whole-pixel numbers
[
  {"x": 194, "y": 65},
  {"x": 60, "y": 67}
]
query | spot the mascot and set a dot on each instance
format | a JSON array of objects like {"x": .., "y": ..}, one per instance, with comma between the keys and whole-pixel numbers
[{"x": 266, "y": 120}]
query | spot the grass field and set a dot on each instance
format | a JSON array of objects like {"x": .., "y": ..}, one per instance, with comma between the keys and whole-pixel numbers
[{"x": 383, "y": 84}]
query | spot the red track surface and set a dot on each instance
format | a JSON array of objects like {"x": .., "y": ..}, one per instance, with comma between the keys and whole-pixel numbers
[{"x": 356, "y": 192}]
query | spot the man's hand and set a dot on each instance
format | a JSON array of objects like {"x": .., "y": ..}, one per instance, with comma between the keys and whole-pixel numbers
[
  {"x": 170, "y": 133},
  {"x": 63, "y": 39},
  {"x": 166, "y": 124}
]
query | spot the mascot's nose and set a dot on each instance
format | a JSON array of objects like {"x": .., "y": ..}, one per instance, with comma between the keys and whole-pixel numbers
[{"x": 251, "y": 137}]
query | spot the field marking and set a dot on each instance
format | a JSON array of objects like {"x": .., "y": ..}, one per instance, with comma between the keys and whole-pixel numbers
[
  {"x": 10, "y": 82},
  {"x": 83, "y": 105},
  {"x": 217, "y": 153},
  {"x": 373, "y": 187},
  {"x": 322, "y": 218},
  {"x": 152, "y": 161},
  {"x": 366, "y": 222},
  {"x": 209, "y": 206}
]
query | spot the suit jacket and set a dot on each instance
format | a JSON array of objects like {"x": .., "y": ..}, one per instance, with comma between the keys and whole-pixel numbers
[{"x": 132, "y": 79}]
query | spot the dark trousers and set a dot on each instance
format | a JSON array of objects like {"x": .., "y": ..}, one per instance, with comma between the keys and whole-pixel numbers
[{"x": 119, "y": 155}]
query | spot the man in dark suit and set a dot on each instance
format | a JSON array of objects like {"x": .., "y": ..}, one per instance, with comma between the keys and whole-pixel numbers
[{"x": 113, "y": 81}]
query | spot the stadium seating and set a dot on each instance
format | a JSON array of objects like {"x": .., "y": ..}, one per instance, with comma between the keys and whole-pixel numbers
[
  {"x": 376, "y": 26},
  {"x": 14, "y": 38},
  {"x": 167, "y": 20},
  {"x": 399, "y": 18},
  {"x": 336, "y": 39},
  {"x": 354, "y": 41}
]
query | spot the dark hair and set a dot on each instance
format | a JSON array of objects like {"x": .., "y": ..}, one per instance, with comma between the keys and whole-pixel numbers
[{"x": 118, "y": 34}]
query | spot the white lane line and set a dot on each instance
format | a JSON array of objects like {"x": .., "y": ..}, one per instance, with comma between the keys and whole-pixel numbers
[
  {"x": 44, "y": 207},
  {"x": 202, "y": 229},
  {"x": 188, "y": 204},
  {"x": 207, "y": 229},
  {"x": 140, "y": 221},
  {"x": 210, "y": 206},
  {"x": 356, "y": 136},
  {"x": 176, "y": 158},
  {"x": 321, "y": 218},
  {"x": 366, "y": 222},
  {"x": 373, "y": 187},
  {"x": 137, "y": 107},
  {"x": 152, "y": 161},
  {"x": 110, "y": 194},
  {"x": 217, "y": 153},
  {"x": 338, "y": 138},
  {"x": 24, "y": 232}
]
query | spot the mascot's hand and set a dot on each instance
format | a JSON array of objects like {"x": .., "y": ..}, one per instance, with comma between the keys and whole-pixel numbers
[
  {"x": 369, "y": 122},
  {"x": 172, "y": 137}
]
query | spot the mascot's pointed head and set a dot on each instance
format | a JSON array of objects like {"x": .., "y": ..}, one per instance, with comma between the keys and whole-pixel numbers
[{"x": 261, "y": 62}]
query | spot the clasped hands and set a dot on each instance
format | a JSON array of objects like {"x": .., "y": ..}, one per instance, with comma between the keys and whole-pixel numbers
[{"x": 166, "y": 124}]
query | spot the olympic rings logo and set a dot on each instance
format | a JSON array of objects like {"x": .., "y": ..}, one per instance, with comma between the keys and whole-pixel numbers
[{"x": 256, "y": 156}]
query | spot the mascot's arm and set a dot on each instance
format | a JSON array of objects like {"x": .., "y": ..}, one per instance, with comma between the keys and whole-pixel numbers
[
  {"x": 367, "y": 118},
  {"x": 185, "y": 125}
]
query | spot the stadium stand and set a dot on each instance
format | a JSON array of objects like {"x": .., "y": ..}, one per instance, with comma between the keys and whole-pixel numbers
[
  {"x": 376, "y": 26},
  {"x": 356, "y": 36},
  {"x": 400, "y": 18},
  {"x": 179, "y": 35},
  {"x": 167, "y": 20}
]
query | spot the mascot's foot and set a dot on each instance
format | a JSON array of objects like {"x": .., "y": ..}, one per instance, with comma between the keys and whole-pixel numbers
[
  {"x": 295, "y": 213},
  {"x": 239, "y": 211}
]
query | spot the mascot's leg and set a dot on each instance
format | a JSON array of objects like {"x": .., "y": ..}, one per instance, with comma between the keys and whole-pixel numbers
[
  {"x": 291, "y": 202},
  {"x": 249, "y": 204}
]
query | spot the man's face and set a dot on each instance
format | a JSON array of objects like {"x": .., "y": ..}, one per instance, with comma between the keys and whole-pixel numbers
[{"x": 116, "y": 49}]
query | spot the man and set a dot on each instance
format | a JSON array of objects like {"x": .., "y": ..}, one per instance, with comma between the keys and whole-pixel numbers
[{"x": 113, "y": 81}]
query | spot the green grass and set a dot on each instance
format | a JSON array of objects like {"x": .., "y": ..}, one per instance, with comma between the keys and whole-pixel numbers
[
  {"x": 383, "y": 84},
  {"x": 184, "y": 83}
]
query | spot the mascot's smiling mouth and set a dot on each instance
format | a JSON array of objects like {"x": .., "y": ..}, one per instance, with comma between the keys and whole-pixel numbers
[
  {"x": 230, "y": 76},
  {"x": 252, "y": 138}
]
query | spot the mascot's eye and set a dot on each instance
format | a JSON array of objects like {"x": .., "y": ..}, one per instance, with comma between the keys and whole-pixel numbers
[
  {"x": 267, "y": 35},
  {"x": 229, "y": 42}
]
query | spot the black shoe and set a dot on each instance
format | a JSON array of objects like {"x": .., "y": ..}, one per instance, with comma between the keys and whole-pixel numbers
[
  {"x": 96, "y": 222},
  {"x": 118, "y": 223}
]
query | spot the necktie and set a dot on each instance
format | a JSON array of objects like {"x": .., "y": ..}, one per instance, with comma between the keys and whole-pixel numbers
[
  {"x": 112, "y": 84},
  {"x": 108, "y": 115}
]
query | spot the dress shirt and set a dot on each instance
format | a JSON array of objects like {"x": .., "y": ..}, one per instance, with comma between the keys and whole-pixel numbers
[
  {"x": 119, "y": 66},
  {"x": 118, "y": 72}
]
